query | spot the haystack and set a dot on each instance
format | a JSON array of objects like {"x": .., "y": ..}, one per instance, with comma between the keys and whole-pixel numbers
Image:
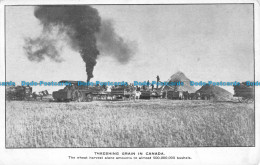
[
  {"x": 180, "y": 77},
  {"x": 216, "y": 92}
]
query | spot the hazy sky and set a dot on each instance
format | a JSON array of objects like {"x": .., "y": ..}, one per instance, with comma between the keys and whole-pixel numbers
[{"x": 205, "y": 42}]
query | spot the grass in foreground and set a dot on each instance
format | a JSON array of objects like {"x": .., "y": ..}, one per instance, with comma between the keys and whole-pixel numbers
[{"x": 151, "y": 123}]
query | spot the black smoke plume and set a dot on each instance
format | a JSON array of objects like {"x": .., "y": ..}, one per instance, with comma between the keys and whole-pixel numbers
[
  {"x": 79, "y": 23},
  {"x": 82, "y": 29},
  {"x": 37, "y": 49},
  {"x": 111, "y": 44}
]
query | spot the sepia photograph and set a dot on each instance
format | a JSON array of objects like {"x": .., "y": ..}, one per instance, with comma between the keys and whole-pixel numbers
[{"x": 130, "y": 75}]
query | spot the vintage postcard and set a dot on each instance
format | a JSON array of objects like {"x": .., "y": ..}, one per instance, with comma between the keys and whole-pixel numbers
[{"x": 133, "y": 82}]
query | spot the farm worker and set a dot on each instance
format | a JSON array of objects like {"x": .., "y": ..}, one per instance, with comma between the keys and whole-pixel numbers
[
  {"x": 41, "y": 95},
  {"x": 34, "y": 95}
]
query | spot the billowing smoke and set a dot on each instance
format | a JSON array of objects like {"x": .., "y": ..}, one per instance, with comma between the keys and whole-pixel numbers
[
  {"x": 36, "y": 49},
  {"x": 110, "y": 43},
  {"x": 82, "y": 29}
]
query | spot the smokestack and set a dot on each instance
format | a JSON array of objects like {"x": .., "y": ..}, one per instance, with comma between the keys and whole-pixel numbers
[{"x": 158, "y": 79}]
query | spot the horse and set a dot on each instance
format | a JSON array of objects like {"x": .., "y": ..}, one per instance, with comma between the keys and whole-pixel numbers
[{"x": 186, "y": 95}]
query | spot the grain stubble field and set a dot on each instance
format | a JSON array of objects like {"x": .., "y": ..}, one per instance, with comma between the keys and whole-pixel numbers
[{"x": 142, "y": 123}]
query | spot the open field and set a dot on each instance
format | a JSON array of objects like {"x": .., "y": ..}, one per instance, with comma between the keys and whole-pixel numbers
[{"x": 144, "y": 123}]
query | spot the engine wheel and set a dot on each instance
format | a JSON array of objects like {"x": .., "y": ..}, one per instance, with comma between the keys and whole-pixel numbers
[
  {"x": 77, "y": 96},
  {"x": 89, "y": 98}
]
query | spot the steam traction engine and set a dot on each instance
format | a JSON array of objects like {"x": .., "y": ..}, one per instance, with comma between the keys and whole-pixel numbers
[
  {"x": 151, "y": 94},
  {"x": 18, "y": 92},
  {"x": 77, "y": 93},
  {"x": 122, "y": 92}
]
